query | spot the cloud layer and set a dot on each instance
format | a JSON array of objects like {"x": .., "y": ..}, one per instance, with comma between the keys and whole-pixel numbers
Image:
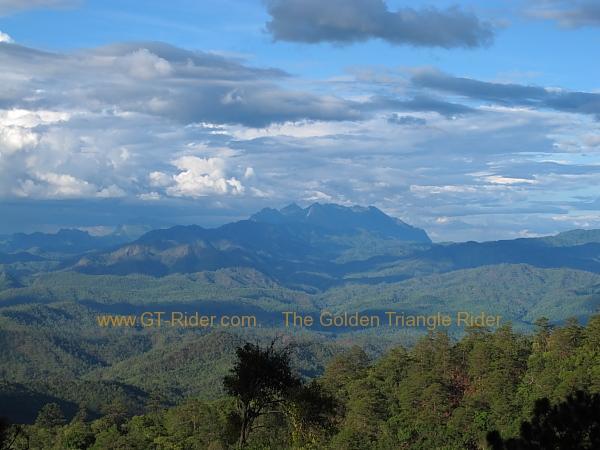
[
  {"x": 511, "y": 94},
  {"x": 347, "y": 21},
  {"x": 162, "y": 135},
  {"x": 567, "y": 13},
  {"x": 13, "y": 6},
  {"x": 162, "y": 80}
]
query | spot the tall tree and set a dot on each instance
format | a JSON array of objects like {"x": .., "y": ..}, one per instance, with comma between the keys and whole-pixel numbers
[
  {"x": 50, "y": 416},
  {"x": 259, "y": 381},
  {"x": 310, "y": 412}
]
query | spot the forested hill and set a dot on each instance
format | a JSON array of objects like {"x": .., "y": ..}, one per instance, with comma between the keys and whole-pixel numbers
[
  {"x": 308, "y": 260},
  {"x": 490, "y": 390}
]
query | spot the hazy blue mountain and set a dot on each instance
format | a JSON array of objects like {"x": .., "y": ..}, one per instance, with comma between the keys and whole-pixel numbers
[
  {"x": 572, "y": 237},
  {"x": 280, "y": 243},
  {"x": 65, "y": 241},
  {"x": 326, "y": 245},
  {"x": 342, "y": 219},
  {"x": 537, "y": 252},
  {"x": 186, "y": 249},
  {"x": 19, "y": 257},
  {"x": 317, "y": 247}
]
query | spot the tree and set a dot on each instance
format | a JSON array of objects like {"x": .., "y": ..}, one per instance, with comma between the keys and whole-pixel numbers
[
  {"x": 200, "y": 424},
  {"x": 344, "y": 369},
  {"x": 157, "y": 401},
  {"x": 50, "y": 416},
  {"x": 573, "y": 424},
  {"x": 76, "y": 435},
  {"x": 310, "y": 412},
  {"x": 259, "y": 381},
  {"x": 116, "y": 412},
  {"x": 543, "y": 331},
  {"x": 365, "y": 412}
]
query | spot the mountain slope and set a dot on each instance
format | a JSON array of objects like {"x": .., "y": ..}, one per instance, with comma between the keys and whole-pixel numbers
[
  {"x": 572, "y": 238},
  {"x": 341, "y": 219},
  {"x": 279, "y": 243},
  {"x": 322, "y": 246},
  {"x": 536, "y": 252},
  {"x": 65, "y": 241},
  {"x": 8, "y": 281},
  {"x": 519, "y": 293}
]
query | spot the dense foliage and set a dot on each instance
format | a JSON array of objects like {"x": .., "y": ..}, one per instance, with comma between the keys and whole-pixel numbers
[{"x": 511, "y": 387}]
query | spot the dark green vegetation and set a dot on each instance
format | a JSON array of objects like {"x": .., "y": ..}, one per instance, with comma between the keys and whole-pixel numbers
[
  {"x": 491, "y": 389},
  {"x": 57, "y": 353},
  {"x": 324, "y": 257},
  {"x": 571, "y": 424}
]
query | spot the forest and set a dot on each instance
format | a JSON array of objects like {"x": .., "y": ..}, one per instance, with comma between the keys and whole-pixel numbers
[{"x": 491, "y": 389}]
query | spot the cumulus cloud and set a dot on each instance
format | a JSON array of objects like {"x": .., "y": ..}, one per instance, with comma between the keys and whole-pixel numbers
[
  {"x": 112, "y": 191},
  {"x": 199, "y": 177},
  {"x": 159, "y": 179},
  {"x": 13, "y": 139},
  {"x": 29, "y": 119},
  {"x": 145, "y": 65},
  {"x": 567, "y": 13},
  {"x": 5, "y": 38},
  {"x": 473, "y": 170},
  {"x": 159, "y": 133},
  {"x": 347, "y": 21},
  {"x": 17, "y": 128},
  {"x": 54, "y": 185}
]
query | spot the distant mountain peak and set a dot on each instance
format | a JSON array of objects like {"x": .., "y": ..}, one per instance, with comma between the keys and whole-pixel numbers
[
  {"x": 341, "y": 218},
  {"x": 291, "y": 209}
]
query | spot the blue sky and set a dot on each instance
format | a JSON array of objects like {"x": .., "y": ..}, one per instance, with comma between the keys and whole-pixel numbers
[{"x": 473, "y": 120}]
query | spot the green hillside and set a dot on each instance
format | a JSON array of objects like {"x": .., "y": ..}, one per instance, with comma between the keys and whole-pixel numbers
[{"x": 520, "y": 293}]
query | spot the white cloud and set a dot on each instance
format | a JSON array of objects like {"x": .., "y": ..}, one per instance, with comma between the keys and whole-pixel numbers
[
  {"x": 432, "y": 190},
  {"x": 13, "y": 139},
  {"x": 111, "y": 191},
  {"x": 163, "y": 80},
  {"x": 497, "y": 179},
  {"x": 55, "y": 185},
  {"x": 148, "y": 124},
  {"x": 159, "y": 179},
  {"x": 32, "y": 118},
  {"x": 16, "y": 128},
  {"x": 145, "y": 65},
  {"x": 200, "y": 177},
  {"x": 5, "y": 38},
  {"x": 149, "y": 196}
]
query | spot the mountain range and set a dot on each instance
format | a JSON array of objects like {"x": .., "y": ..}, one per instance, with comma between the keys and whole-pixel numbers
[
  {"x": 316, "y": 251},
  {"x": 324, "y": 245},
  {"x": 322, "y": 257}
]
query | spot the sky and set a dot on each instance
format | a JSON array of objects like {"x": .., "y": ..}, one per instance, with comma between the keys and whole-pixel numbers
[{"x": 473, "y": 120}]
